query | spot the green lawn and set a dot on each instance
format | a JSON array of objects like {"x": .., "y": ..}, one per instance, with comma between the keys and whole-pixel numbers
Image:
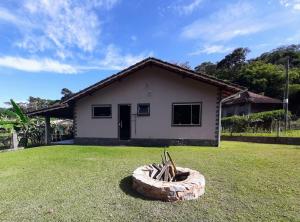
[
  {"x": 289, "y": 133},
  {"x": 244, "y": 182}
]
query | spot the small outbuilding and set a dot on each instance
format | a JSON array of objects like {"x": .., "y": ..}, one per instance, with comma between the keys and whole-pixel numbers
[
  {"x": 150, "y": 103},
  {"x": 249, "y": 102}
]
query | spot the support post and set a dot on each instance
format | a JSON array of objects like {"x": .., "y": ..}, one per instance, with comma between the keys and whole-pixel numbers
[
  {"x": 286, "y": 96},
  {"x": 47, "y": 130}
]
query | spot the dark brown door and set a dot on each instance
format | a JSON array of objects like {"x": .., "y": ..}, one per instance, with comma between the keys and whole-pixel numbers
[{"x": 124, "y": 122}]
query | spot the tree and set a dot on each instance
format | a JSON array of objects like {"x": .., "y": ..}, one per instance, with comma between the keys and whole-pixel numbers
[
  {"x": 229, "y": 67},
  {"x": 266, "y": 73},
  {"x": 33, "y": 103},
  {"x": 184, "y": 65},
  {"x": 234, "y": 59},
  {"x": 278, "y": 56},
  {"x": 207, "y": 67},
  {"x": 30, "y": 130},
  {"x": 22, "y": 121},
  {"x": 261, "y": 77},
  {"x": 66, "y": 93}
]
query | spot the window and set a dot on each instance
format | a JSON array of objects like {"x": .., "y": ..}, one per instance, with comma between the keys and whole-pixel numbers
[
  {"x": 186, "y": 114},
  {"x": 101, "y": 111},
  {"x": 143, "y": 109}
]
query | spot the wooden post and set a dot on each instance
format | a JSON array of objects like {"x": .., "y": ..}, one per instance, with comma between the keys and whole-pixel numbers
[
  {"x": 47, "y": 130},
  {"x": 15, "y": 142}
]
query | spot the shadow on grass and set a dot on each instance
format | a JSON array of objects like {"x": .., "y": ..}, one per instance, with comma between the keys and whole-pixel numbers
[{"x": 126, "y": 187}]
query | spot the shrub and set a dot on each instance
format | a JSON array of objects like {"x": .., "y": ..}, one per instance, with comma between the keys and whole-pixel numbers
[{"x": 262, "y": 120}]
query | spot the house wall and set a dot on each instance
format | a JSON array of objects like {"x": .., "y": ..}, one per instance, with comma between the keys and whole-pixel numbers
[
  {"x": 248, "y": 108},
  {"x": 236, "y": 109},
  {"x": 159, "y": 88},
  {"x": 265, "y": 107}
]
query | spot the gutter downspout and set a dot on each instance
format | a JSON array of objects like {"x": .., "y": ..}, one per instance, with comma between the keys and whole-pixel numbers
[{"x": 237, "y": 95}]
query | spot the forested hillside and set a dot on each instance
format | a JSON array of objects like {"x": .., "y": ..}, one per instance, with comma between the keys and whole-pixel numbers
[{"x": 264, "y": 74}]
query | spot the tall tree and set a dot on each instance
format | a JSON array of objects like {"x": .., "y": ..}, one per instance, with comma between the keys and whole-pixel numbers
[
  {"x": 261, "y": 77},
  {"x": 229, "y": 67},
  {"x": 66, "y": 93},
  {"x": 234, "y": 60},
  {"x": 207, "y": 67},
  {"x": 278, "y": 56}
]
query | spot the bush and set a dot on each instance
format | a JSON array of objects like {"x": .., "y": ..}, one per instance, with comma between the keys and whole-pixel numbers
[{"x": 252, "y": 122}]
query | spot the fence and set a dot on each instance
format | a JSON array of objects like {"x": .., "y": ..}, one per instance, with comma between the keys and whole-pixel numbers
[
  {"x": 5, "y": 141},
  {"x": 8, "y": 141},
  {"x": 275, "y": 127}
]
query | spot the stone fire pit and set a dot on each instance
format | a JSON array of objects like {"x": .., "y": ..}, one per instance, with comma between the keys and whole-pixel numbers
[{"x": 186, "y": 188}]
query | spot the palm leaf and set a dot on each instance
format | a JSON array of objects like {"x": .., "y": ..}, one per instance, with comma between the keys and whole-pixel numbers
[
  {"x": 9, "y": 113},
  {"x": 24, "y": 119},
  {"x": 7, "y": 122}
]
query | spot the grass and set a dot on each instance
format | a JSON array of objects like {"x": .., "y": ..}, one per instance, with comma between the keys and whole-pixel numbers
[
  {"x": 289, "y": 133},
  {"x": 244, "y": 182}
]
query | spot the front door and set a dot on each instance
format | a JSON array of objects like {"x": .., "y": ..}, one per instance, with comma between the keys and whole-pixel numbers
[{"x": 124, "y": 122}]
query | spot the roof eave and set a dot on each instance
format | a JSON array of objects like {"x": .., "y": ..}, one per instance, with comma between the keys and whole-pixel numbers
[{"x": 228, "y": 88}]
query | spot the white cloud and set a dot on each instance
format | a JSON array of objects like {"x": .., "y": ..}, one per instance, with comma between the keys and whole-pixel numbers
[
  {"x": 36, "y": 65},
  {"x": 7, "y": 16},
  {"x": 186, "y": 9},
  {"x": 211, "y": 49},
  {"x": 65, "y": 23},
  {"x": 294, "y": 4},
  {"x": 107, "y": 4},
  {"x": 115, "y": 60},
  {"x": 34, "y": 43},
  {"x": 60, "y": 26},
  {"x": 68, "y": 30},
  {"x": 234, "y": 20}
]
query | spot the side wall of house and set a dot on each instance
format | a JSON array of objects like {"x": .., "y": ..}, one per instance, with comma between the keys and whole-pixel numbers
[
  {"x": 159, "y": 88},
  {"x": 236, "y": 109}
]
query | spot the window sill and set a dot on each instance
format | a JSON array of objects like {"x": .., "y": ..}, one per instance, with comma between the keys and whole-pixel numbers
[
  {"x": 101, "y": 117},
  {"x": 186, "y": 125},
  {"x": 143, "y": 115}
]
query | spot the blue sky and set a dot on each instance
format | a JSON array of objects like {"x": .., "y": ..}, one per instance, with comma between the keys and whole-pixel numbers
[{"x": 47, "y": 45}]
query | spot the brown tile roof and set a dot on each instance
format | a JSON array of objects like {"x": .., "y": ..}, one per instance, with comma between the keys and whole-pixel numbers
[
  {"x": 65, "y": 105},
  {"x": 58, "y": 110},
  {"x": 251, "y": 97},
  {"x": 229, "y": 88}
]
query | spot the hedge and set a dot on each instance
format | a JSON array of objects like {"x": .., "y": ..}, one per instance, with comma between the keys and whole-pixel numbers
[{"x": 262, "y": 120}]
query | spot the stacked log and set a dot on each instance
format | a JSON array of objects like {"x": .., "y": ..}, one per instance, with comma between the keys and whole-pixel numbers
[{"x": 166, "y": 171}]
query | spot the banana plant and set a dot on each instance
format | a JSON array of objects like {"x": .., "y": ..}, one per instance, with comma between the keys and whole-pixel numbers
[{"x": 23, "y": 121}]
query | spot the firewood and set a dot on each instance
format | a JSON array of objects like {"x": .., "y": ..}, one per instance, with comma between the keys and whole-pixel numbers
[
  {"x": 153, "y": 173},
  {"x": 166, "y": 174},
  {"x": 170, "y": 178},
  {"x": 156, "y": 166},
  {"x": 171, "y": 171},
  {"x": 165, "y": 156},
  {"x": 172, "y": 161},
  {"x": 162, "y": 172},
  {"x": 163, "y": 160}
]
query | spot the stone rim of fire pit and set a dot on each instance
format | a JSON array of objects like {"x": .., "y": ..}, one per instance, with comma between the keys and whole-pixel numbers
[{"x": 190, "y": 188}]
